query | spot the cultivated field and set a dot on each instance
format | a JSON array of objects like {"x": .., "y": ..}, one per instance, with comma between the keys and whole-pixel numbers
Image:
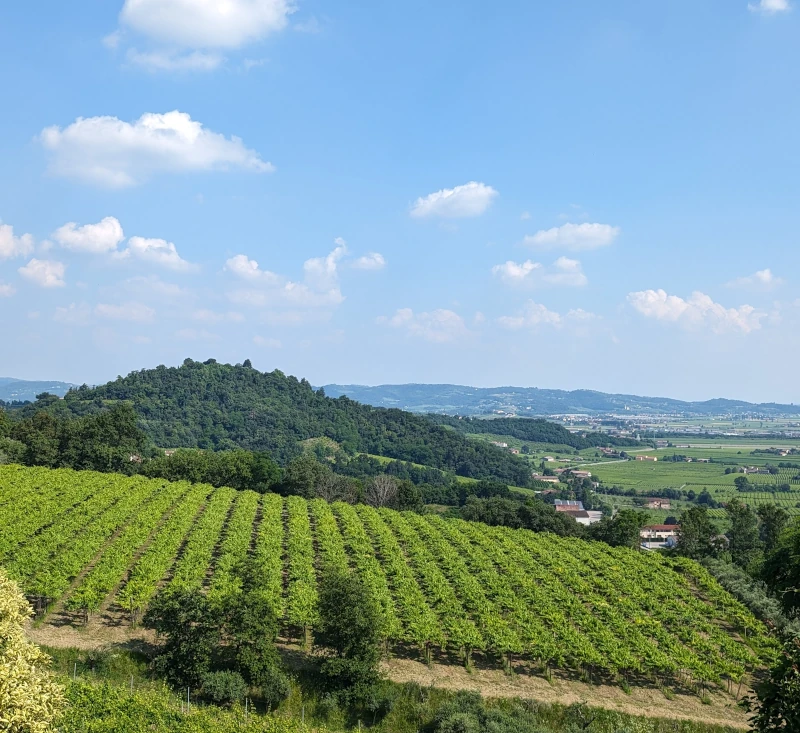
[{"x": 90, "y": 543}]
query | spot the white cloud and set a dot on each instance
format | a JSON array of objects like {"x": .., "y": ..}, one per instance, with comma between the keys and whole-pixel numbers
[
  {"x": 438, "y": 326},
  {"x": 174, "y": 61},
  {"x": 770, "y": 7},
  {"x": 320, "y": 286},
  {"x": 158, "y": 252},
  {"x": 761, "y": 280},
  {"x": 267, "y": 342},
  {"x": 564, "y": 272},
  {"x": 525, "y": 215},
  {"x": 206, "y": 23},
  {"x": 574, "y": 237},
  {"x": 192, "y": 334},
  {"x": 95, "y": 238},
  {"x": 532, "y": 315},
  {"x": 370, "y": 261},
  {"x": 471, "y": 199},
  {"x": 6, "y": 291},
  {"x": 13, "y": 246},
  {"x": 114, "y": 153},
  {"x": 44, "y": 273},
  {"x": 698, "y": 311},
  {"x": 246, "y": 269},
  {"x": 75, "y": 314},
  {"x": 516, "y": 273},
  {"x": 132, "y": 311},
  {"x": 212, "y": 317}
]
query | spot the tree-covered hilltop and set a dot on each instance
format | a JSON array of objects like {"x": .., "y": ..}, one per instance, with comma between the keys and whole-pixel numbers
[
  {"x": 532, "y": 430},
  {"x": 221, "y": 407}
]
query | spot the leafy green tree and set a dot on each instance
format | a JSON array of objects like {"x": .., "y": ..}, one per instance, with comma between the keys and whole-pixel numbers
[
  {"x": 773, "y": 519},
  {"x": 622, "y": 530},
  {"x": 409, "y": 497},
  {"x": 190, "y": 626},
  {"x": 302, "y": 476},
  {"x": 348, "y": 634},
  {"x": 29, "y": 698},
  {"x": 224, "y": 687},
  {"x": 781, "y": 569},
  {"x": 695, "y": 534},
  {"x": 778, "y": 702},
  {"x": 743, "y": 533},
  {"x": 742, "y": 483}
]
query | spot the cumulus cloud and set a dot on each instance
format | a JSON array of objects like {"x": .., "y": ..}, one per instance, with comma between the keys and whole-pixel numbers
[
  {"x": 6, "y": 291},
  {"x": 132, "y": 311},
  {"x": 471, "y": 199},
  {"x": 319, "y": 288},
  {"x": 174, "y": 61},
  {"x": 438, "y": 326},
  {"x": 206, "y": 23},
  {"x": 110, "y": 152},
  {"x": 44, "y": 273},
  {"x": 761, "y": 280},
  {"x": 12, "y": 245},
  {"x": 532, "y": 315},
  {"x": 564, "y": 272},
  {"x": 370, "y": 261},
  {"x": 770, "y": 7},
  {"x": 697, "y": 311},
  {"x": 567, "y": 273},
  {"x": 94, "y": 238},
  {"x": 574, "y": 237},
  {"x": 158, "y": 252}
]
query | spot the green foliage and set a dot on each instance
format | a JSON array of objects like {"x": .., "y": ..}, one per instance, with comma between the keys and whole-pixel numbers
[
  {"x": 534, "y": 431},
  {"x": 103, "y": 441},
  {"x": 781, "y": 569},
  {"x": 778, "y": 704},
  {"x": 224, "y": 687},
  {"x": 622, "y": 530},
  {"x": 238, "y": 469},
  {"x": 189, "y": 624},
  {"x": 348, "y": 634},
  {"x": 696, "y": 534},
  {"x": 528, "y": 514},
  {"x": 222, "y": 407},
  {"x": 773, "y": 520},
  {"x": 744, "y": 543}
]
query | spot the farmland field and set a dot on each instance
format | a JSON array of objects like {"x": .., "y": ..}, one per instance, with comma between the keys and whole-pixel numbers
[{"x": 84, "y": 542}]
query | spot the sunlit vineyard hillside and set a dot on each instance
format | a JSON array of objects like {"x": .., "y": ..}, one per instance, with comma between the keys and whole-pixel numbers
[{"x": 88, "y": 542}]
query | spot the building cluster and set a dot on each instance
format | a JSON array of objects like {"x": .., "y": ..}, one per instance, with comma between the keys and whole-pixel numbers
[
  {"x": 659, "y": 536},
  {"x": 575, "y": 510}
]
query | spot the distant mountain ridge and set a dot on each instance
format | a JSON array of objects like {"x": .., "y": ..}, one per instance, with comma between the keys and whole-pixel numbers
[
  {"x": 455, "y": 399},
  {"x": 23, "y": 390}
]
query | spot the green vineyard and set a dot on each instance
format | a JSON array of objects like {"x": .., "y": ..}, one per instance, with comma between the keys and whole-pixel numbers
[{"x": 90, "y": 543}]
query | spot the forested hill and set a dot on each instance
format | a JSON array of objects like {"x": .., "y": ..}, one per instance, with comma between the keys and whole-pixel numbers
[
  {"x": 454, "y": 399},
  {"x": 219, "y": 406},
  {"x": 532, "y": 430}
]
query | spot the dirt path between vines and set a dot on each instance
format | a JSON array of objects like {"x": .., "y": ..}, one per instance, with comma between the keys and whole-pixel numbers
[{"x": 111, "y": 629}]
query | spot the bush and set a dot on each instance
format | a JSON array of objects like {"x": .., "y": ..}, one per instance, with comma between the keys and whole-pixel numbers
[{"x": 224, "y": 688}]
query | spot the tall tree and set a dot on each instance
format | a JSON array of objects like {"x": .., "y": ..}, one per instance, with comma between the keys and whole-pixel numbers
[
  {"x": 773, "y": 520},
  {"x": 695, "y": 533},
  {"x": 348, "y": 634},
  {"x": 621, "y": 530},
  {"x": 381, "y": 491},
  {"x": 743, "y": 533},
  {"x": 781, "y": 569},
  {"x": 778, "y": 704}
]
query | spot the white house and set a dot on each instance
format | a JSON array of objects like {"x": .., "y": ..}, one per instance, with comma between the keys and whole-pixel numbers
[{"x": 659, "y": 536}]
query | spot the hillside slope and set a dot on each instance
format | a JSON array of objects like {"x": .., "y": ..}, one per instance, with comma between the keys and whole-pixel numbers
[
  {"x": 441, "y": 584},
  {"x": 454, "y": 399},
  {"x": 219, "y": 406},
  {"x": 21, "y": 390}
]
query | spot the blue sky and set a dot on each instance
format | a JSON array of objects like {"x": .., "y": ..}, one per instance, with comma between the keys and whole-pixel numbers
[{"x": 574, "y": 194}]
